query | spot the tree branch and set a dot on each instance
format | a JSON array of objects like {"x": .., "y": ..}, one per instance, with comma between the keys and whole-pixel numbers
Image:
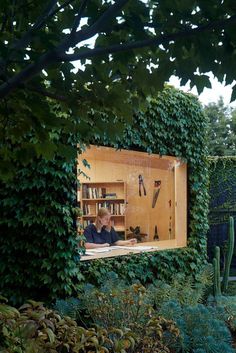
[
  {"x": 27, "y": 73},
  {"x": 57, "y": 55},
  {"x": 46, "y": 59},
  {"x": 23, "y": 42},
  {"x": 97, "y": 27},
  {"x": 49, "y": 12},
  {"x": 55, "y": 96},
  {"x": 148, "y": 42}
]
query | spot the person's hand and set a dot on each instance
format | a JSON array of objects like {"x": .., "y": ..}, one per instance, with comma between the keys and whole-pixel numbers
[{"x": 132, "y": 241}]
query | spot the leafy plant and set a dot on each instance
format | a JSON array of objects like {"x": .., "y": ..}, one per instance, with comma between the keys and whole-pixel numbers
[
  {"x": 186, "y": 290},
  {"x": 69, "y": 307},
  {"x": 216, "y": 262},
  {"x": 224, "y": 308},
  {"x": 36, "y": 329},
  {"x": 199, "y": 329},
  {"x": 116, "y": 304}
]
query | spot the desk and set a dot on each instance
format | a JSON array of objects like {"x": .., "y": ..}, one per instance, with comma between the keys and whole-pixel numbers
[{"x": 157, "y": 246}]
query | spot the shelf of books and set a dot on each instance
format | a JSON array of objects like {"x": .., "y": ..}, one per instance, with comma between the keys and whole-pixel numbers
[{"x": 112, "y": 195}]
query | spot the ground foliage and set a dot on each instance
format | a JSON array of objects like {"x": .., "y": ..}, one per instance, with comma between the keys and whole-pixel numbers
[
  {"x": 33, "y": 328},
  {"x": 136, "y": 46},
  {"x": 205, "y": 323}
]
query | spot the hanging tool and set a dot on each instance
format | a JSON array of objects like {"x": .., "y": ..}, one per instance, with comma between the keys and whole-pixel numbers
[
  {"x": 157, "y": 187},
  {"x": 156, "y": 236},
  {"x": 141, "y": 184}
]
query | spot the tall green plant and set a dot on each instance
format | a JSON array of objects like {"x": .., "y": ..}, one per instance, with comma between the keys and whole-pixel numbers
[
  {"x": 216, "y": 262},
  {"x": 229, "y": 255},
  {"x": 216, "y": 266}
]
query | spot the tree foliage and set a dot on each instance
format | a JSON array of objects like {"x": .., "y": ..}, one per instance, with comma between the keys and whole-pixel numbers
[
  {"x": 222, "y": 129},
  {"x": 136, "y": 46}
]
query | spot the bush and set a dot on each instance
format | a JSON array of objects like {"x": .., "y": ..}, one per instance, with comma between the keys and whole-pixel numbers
[
  {"x": 199, "y": 329},
  {"x": 36, "y": 329}
]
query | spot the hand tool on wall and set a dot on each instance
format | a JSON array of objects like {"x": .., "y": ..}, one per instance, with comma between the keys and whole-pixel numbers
[
  {"x": 170, "y": 221},
  {"x": 157, "y": 187},
  {"x": 141, "y": 185},
  {"x": 156, "y": 236}
]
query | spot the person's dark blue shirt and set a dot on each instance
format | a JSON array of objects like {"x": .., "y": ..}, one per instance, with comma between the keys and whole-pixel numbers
[{"x": 93, "y": 236}]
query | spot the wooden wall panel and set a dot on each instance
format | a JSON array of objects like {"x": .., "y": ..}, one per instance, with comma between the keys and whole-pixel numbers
[{"x": 107, "y": 164}]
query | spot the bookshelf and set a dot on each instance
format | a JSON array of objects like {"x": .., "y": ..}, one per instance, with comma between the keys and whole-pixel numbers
[{"x": 112, "y": 195}]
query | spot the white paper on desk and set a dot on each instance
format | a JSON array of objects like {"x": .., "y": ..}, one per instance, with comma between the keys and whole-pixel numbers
[
  {"x": 98, "y": 250},
  {"x": 140, "y": 248},
  {"x": 89, "y": 253}
]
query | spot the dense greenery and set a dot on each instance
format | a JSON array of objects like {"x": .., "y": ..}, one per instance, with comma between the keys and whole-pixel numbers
[
  {"x": 206, "y": 327},
  {"x": 222, "y": 129},
  {"x": 125, "y": 51},
  {"x": 38, "y": 236},
  {"x": 38, "y": 242},
  {"x": 36, "y": 329},
  {"x": 125, "y": 318}
]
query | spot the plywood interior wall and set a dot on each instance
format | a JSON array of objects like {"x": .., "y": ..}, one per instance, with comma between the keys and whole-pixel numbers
[{"x": 107, "y": 164}]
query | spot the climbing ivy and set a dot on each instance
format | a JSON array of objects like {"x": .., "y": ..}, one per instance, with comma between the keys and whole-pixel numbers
[
  {"x": 38, "y": 237},
  {"x": 38, "y": 243}
]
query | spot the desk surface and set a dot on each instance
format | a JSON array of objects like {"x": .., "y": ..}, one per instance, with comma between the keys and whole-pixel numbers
[{"x": 157, "y": 246}]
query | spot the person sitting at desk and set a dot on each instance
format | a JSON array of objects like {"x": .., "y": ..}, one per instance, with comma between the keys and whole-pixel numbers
[{"x": 102, "y": 234}]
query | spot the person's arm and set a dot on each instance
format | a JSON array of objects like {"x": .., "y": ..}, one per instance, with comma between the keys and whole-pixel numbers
[
  {"x": 94, "y": 245},
  {"x": 132, "y": 241}
]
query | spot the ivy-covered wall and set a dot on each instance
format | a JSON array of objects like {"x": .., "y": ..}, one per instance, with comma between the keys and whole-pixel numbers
[
  {"x": 175, "y": 125},
  {"x": 222, "y": 193},
  {"x": 39, "y": 256}
]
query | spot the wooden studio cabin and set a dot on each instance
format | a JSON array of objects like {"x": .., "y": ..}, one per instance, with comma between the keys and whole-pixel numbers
[{"x": 145, "y": 193}]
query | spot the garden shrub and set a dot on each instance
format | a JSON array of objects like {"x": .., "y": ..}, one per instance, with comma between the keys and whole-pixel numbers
[
  {"x": 36, "y": 329},
  {"x": 186, "y": 290},
  {"x": 117, "y": 304},
  {"x": 200, "y": 330},
  {"x": 224, "y": 308}
]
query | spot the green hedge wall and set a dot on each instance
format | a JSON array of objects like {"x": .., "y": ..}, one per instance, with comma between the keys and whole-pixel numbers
[
  {"x": 174, "y": 124},
  {"x": 39, "y": 256}
]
